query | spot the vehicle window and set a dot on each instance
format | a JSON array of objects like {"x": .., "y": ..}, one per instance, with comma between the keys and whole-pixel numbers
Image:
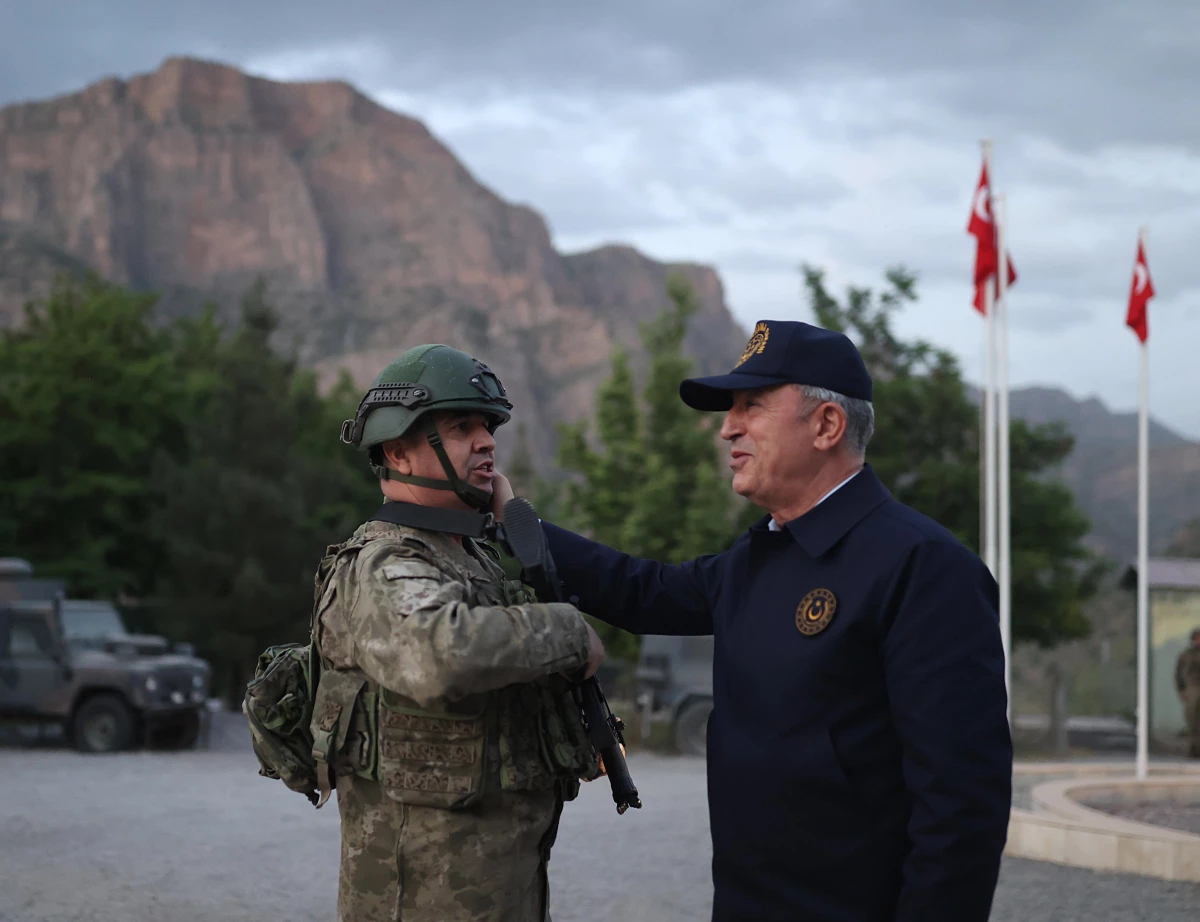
[
  {"x": 82, "y": 620},
  {"x": 699, "y": 649},
  {"x": 30, "y": 639}
]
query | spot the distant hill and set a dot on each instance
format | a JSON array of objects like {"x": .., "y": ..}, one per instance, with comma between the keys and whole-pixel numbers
[
  {"x": 1102, "y": 469},
  {"x": 28, "y": 266},
  {"x": 1187, "y": 542}
]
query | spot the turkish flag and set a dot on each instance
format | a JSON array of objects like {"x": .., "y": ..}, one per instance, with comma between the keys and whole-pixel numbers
[
  {"x": 987, "y": 253},
  {"x": 1141, "y": 290}
]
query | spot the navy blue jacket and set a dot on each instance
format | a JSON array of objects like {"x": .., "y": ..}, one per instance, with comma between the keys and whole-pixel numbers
[{"x": 859, "y": 769}]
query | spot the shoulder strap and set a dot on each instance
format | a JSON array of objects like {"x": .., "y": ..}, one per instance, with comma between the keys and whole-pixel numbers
[
  {"x": 431, "y": 518},
  {"x": 325, "y": 571}
]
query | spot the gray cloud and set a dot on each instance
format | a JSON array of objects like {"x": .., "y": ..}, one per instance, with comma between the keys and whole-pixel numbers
[{"x": 1087, "y": 71}]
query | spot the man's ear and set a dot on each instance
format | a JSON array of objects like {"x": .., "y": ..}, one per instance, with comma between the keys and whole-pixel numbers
[
  {"x": 831, "y": 427},
  {"x": 397, "y": 455}
]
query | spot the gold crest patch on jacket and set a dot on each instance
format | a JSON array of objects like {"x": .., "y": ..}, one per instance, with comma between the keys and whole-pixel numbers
[{"x": 815, "y": 611}]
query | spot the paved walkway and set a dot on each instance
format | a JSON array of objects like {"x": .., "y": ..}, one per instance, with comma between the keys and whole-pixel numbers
[{"x": 199, "y": 837}]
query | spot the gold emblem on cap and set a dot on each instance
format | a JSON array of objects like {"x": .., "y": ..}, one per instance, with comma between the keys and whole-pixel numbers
[
  {"x": 815, "y": 611},
  {"x": 758, "y": 342}
]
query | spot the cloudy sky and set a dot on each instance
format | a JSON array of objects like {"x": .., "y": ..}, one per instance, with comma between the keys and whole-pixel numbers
[{"x": 761, "y": 135}]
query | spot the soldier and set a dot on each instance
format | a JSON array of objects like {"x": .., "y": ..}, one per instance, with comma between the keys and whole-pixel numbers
[
  {"x": 1187, "y": 683},
  {"x": 442, "y": 709}
]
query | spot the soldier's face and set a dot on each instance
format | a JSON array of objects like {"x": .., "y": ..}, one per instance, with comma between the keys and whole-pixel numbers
[{"x": 469, "y": 445}]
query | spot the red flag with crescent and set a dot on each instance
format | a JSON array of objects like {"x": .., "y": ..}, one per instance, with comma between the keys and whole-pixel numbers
[
  {"x": 1141, "y": 290},
  {"x": 987, "y": 252}
]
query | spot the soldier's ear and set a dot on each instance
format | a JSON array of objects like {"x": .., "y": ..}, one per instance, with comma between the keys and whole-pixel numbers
[{"x": 397, "y": 454}]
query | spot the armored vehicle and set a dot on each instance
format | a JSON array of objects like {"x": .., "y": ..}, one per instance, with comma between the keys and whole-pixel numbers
[
  {"x": 674, "y": 677},
  {"x": 73, "y": 663}
]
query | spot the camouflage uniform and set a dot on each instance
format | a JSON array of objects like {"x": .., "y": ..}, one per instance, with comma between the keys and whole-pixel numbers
[
  {"x": 452, "y": 815},
  {"x": 1187, "y": 681}
]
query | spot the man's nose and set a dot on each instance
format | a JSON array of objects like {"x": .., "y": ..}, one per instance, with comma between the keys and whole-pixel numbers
[
  {"x": 485, "y": 441},
  {"x": 731, "y": 426}
]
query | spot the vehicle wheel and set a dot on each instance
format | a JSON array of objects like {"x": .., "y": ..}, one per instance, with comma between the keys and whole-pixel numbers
[
  {"x": 179, "y": 734},
  {"x": 103, "y": 724},
  {"x": 691, "y": 728}
]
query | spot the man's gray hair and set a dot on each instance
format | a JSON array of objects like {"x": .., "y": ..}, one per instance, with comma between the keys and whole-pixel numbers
[{"x": 860, "y": 414}]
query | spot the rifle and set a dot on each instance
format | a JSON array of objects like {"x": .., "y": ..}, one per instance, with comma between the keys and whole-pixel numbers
[{"x": 522, "y": 537}]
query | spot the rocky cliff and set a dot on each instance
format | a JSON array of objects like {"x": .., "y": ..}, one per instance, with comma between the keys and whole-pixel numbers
[{"x": 197, "y": 178}]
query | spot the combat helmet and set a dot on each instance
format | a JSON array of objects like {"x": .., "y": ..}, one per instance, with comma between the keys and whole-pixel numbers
[{"x": 426, "y": 378}]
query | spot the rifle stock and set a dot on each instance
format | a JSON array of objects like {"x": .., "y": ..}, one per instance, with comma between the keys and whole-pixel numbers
[{"x": 523, "y": 538}]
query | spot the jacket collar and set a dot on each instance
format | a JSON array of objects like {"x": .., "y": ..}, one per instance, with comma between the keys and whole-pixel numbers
[{"x": 824, "y": 525}]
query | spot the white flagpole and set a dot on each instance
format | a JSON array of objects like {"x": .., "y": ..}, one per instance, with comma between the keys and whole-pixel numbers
[
  {"x": 1143, "y": 567},
  {"x": 1004, "y": 516},
  {"x": 989, "y": 406}
]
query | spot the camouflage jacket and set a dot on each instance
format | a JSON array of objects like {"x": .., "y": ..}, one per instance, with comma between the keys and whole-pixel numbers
[
  {"x": 469, "y": 691},
  {"x": 461, "y": 692}
]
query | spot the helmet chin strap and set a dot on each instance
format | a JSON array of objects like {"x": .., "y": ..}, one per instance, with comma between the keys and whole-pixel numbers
[{"x": 471, "y": 495}]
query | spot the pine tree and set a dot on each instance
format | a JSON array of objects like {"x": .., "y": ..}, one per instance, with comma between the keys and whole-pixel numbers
[
  {"x": 520, "y": 470},
  {"x": 651, "y": 483},
  {"x": 264, "y": 487},
  {"x": 89, "y": 397}
]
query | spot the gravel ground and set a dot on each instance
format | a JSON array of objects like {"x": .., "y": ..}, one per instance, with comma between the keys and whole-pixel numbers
[
  {"x": 198, "y": 837},
  {"x": 1185, "y": 818}
]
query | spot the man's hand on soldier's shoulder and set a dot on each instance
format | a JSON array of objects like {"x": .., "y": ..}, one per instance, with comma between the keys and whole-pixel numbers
[{"x": 502, "y": 492}]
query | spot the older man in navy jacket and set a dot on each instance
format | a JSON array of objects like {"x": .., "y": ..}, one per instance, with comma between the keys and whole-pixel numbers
[{"x": 859, "y": 755}]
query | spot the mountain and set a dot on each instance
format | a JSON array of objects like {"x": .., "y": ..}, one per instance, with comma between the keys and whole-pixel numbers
[
  {"x": 197, "y": 178},
  {"x": 28, "y": 267},
  {"x": 1102, "y": 469},
  {"x": 1187, "y": 542}
]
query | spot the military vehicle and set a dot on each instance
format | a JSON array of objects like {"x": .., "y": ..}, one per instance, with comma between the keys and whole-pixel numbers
[
  {"x": 73, "y": 663},
  {"x": 674, "y": 683}
]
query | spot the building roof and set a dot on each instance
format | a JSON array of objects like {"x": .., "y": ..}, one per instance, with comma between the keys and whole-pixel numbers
[{"x": 1167, "y": 573}]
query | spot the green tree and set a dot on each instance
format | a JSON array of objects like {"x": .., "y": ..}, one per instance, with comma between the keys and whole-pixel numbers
[
  {"x": 650, "y": 483},
  {"x": 264, "y": 486},
  {"x": 191, "y": 473},
  {"x": 520, "y": 469},
  {"x": 926, "y": 450},
  {"x": 89, "y": 397}
]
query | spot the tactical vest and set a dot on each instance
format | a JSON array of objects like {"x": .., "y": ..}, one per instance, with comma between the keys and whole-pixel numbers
[{"x": 520, "y": 738}]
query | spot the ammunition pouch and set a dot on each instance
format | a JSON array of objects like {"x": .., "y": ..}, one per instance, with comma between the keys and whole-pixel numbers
[
  {"x": 433, "y": 758},
  {"x": 343, "y": 728}
]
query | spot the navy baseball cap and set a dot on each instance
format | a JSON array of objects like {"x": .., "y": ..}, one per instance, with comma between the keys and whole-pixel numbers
[{"x": 785, "y": 352}]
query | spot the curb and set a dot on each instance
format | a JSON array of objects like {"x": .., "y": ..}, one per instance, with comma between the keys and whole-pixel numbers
[
  {"x": 1061, "y": 830},
  {"x": 1107, "y": 767}
]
